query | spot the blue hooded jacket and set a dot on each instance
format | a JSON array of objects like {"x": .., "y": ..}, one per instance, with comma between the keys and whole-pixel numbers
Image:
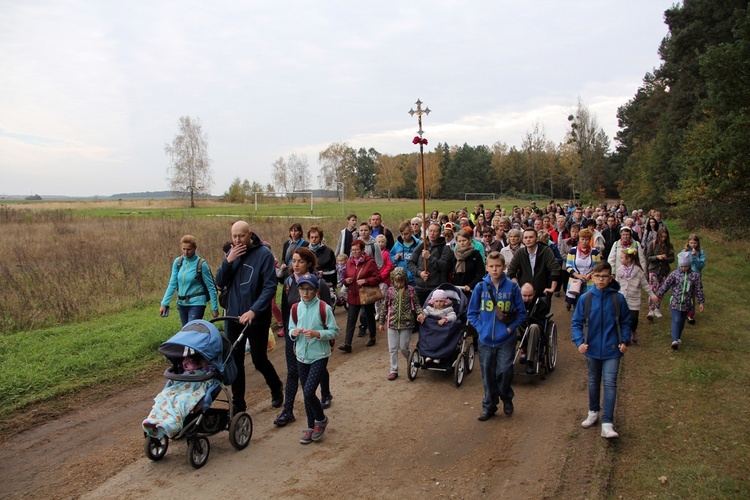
[
  {"x": 406, "y": 251},
  {"x": 602, "y": 330},
  {"x": 481, "y": 315}
]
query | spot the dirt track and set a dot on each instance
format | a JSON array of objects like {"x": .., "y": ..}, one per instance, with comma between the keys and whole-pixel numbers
[{"x": 402, "y": 438}]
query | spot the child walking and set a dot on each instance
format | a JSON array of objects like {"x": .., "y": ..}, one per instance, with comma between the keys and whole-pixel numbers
[
  {"x": 632, "y": 279},
  {"x": 401, "y": 308},
  {"x": 312, "y": 337},
  {"x": 686, "y": 286},
  {"x": 603, "y": 337},
  {"x": 697, "y": 263},
  {"x": 340, "y": 271}
]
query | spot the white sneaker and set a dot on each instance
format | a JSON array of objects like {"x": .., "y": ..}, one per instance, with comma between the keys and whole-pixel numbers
[
  {"x": 650, "y": 316},
  {"x": 591, "y": 419},
  {"x": 608, "y": 432},
  {"x": 657, "y": 313}
]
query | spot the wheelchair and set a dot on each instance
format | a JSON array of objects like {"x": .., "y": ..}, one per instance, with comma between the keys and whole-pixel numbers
[{"x": 545, "y": 348}]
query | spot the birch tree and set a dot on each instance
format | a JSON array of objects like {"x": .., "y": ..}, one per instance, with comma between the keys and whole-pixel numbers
[{"x": 190, "y": 166}]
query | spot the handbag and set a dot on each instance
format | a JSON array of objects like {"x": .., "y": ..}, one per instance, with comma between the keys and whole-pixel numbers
[
  {"x": 574, "y": 287},
  {"x": 369, "y": 294}
]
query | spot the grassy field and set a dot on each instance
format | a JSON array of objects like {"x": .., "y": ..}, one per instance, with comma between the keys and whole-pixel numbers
[
  {"x": 83, "y": 286},
  {"x": 686, "y": 413}
]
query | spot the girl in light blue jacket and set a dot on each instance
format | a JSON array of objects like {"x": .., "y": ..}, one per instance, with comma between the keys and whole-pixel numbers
[{"x": 312, "y": 336}]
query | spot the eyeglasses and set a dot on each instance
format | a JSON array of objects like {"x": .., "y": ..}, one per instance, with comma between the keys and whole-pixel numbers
[
  {"x": 601, "y": 276},
  {"x": 306, "y": 290}
]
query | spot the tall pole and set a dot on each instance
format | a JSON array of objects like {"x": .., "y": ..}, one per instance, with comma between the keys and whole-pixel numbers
[{"x": 421, "y": 141}]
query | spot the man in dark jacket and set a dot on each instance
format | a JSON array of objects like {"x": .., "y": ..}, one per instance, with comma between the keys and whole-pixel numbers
[
  {"x": 535, "y": 264},
  {"x": 611, "y": 234},
  {"x": 249, "y": 273},
  {"x": 377, "y": 227},
  {"x": 439, "y": 260}
]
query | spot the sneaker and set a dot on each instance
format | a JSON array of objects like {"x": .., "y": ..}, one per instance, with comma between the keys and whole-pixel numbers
[
  {"x": 283, "y": 419},
  {"x": 306, "y": 437},
  {"x": 634, "y": 337},
  {"x": 650, "y": 316},
  {"x": 675, "y": 345},
  {"x": 608, "y": 432},
  {"x": 485, "y": 415},
  {"x": 530, "y": 369},
  {"x": 522, "y": 358},
  {"x": 508, "y": 408},
  {"x": 557, "y": 293},
  {"x": 427, "y": 360},
  {"x": 325, "y": 401},
  {"x": 657, "y": 313},
  {"x": 436, "y": 361},
  {"x": 347, "y": 348},
  {"x": 691, "y": 321},
  {"x": 392, "y": 376},
  {"x": 591, "y": 419},
  {"x": 320, "y": 428},
  {"x": 277, "y": 398},
  {"x": 370, "y": 342},
  {"x": 362, "y": 331}
]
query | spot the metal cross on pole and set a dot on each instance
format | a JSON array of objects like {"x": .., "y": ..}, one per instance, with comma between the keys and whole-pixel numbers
[{"x": 421, "y": 141}]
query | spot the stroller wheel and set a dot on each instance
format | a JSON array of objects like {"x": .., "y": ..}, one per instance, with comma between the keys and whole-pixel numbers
[
  {"x": 470, "y": 357},
  {"x": 198, "y": 451},
  {"x": 413, "y": 365},
  {"x": 460, "y": 370},
  {"x": 240, "y": 431},
  {"x": 155, "y": 448}
]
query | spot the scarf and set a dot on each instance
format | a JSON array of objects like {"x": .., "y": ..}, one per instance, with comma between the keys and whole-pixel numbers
[
  {"x": 583, "y": 252},
  {"x": 461, "y": 256},
  {"x": 627, "y": 271},
  {"x": 315, "y": 248}
]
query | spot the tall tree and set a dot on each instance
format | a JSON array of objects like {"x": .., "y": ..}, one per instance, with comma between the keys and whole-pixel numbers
[
  {"x": 389, "y": 174},
  {"x": 291, "y": 175},
  {"x": 338, "y": 164},
  {"x": 593, "y": 149},
  {"x": 365, "y": 171},
  {"x": 190, "y": 166}
]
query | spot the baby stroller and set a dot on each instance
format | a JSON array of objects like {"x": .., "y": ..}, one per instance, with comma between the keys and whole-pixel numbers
[
  {"x": 203, "y": 338},
  {"x": 450, "y": 343},
  {"x": 546, "y": 348}
]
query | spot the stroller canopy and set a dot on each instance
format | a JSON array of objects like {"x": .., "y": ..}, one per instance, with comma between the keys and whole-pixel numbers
[{"x": 202, "y": 337}]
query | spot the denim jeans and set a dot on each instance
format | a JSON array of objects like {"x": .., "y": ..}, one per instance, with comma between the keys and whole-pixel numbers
[
  {"x": 678, "y": 323},
  {"x": 189, "y": 313},
  {"x": 496, "y": 365},
  {"x": 606, "y": 369}
]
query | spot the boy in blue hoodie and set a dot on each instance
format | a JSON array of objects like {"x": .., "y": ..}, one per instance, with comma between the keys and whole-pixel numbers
[
  {"x": 496, "y": 308},
  {"x": 604, "y": 343}
]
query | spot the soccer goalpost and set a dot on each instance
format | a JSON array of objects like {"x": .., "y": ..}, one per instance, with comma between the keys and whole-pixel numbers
[
  {"x": 474, "y": 195},
  {"x": 277, "y": 195}
]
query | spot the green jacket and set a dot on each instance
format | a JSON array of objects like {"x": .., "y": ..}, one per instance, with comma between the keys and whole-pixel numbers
[{"x": 311, "y": 350}]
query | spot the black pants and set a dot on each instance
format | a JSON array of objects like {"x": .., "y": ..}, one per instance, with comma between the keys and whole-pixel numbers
[
  {"x": 257, "y": 335},
  {"x": 351, "y": 321}
]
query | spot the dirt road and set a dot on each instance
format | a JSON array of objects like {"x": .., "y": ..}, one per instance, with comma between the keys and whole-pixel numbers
[{"x": 384, "y": 439}]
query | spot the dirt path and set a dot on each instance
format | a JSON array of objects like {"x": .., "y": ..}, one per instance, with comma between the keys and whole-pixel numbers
[{"x": 411, "y": 438}]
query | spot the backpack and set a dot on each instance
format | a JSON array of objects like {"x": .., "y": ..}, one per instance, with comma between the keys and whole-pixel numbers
[
  {"x": 322, "y": 306},
  {"x": 587, "y": 314},
  {"x": 198, "y": 277}
]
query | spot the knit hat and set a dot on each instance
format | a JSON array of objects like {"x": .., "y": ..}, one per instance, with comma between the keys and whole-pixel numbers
[
  {"x": 440, "y": 295},
  {"x": 684, "y": 259}
]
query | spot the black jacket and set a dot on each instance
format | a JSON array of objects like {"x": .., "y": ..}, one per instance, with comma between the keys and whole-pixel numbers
[{"x": 546, "y": 269}]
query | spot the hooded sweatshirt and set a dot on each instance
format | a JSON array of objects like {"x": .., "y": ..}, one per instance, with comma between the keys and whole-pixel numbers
[
  {"x": 311, "y": 350},
  {"x": 481, "y": 315},
  {"x": 406, "y": 252},
  {"x": 602, "y": 338}
]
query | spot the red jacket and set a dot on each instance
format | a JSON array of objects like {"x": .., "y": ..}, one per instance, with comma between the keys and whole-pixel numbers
[{"x": 367, "y": 270}]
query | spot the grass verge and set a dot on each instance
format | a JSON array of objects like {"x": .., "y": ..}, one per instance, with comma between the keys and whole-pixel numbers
[{"x": 684, "y": 431}]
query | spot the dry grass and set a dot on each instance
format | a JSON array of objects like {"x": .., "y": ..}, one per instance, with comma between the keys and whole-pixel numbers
[{"x": 57, "y": 268}]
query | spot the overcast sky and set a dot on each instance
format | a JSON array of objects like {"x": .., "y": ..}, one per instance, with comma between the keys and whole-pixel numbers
[{"x": 90, "y": 91}]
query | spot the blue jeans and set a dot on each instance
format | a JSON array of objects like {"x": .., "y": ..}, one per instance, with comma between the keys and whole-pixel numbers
[
  {"x": 678, "y": 323},
  {"x": 608, "y": 369},
  {"x": 496, "y": 365},
  {"x": 189, "y": 313}
]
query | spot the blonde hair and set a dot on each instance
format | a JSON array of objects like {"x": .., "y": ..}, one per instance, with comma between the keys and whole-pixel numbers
[{"x": 190, "y": 240}]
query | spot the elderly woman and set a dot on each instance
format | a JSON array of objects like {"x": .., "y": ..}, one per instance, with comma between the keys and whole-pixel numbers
[
  {"x": 361, "y": 270},
  {"x": 191, "y": 278},
  {"x": 514, "y": 243}
]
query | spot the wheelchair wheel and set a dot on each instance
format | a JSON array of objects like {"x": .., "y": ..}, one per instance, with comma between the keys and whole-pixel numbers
[
  {"x": 551, "y": 347},
  {"x": 460, "y": 370},
  {"x": 470, "y": 357},
  {"x": 413, "y": 365},
  {"x": 198, "y": 451}
]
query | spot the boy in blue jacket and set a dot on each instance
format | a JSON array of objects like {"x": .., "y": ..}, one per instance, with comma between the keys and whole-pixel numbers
[
  {"x": 496, "y": 308},
  {"x": 604, "y": 344}
]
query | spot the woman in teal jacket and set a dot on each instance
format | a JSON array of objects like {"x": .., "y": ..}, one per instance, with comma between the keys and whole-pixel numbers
[
  {"x": 312, "y": 347},
  {"x": 193, "y": 292}
]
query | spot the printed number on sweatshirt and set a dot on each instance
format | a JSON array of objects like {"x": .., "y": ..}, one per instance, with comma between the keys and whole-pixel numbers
[{"x": 489, "y": 305}]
